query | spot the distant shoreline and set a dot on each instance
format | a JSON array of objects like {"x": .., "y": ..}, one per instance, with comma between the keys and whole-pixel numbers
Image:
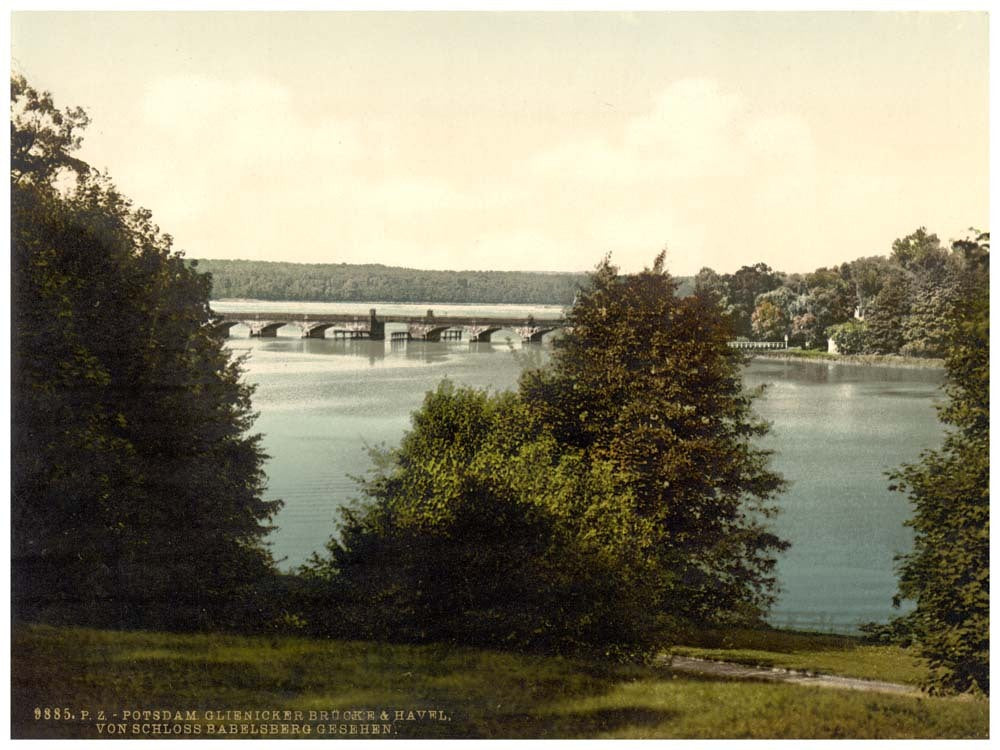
[{"x": 864, "y": 360}]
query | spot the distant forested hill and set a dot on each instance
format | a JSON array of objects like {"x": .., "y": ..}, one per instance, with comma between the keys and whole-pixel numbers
[{"x": 342, "y": 282}]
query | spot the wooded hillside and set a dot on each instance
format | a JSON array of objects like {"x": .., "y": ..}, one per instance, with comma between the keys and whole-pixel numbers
[
  {"x": 342, "y": 282},
  {"x": 345, "y": 282}
]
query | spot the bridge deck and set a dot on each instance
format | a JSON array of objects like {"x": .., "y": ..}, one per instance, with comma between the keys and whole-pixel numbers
[{"x": 445, "y": 320}]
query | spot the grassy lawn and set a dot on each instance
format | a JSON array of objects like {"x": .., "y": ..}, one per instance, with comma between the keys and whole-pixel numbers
[
  {"x": 822, "y": 654},
  {"x": 884, "y": 360},
  {"x": 484, "y": 694}
]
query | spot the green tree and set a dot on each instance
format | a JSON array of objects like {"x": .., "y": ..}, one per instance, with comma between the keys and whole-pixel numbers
[
  {"x": 783, "y": 297},
  {"x": 707, "y": 281},
  {"x": 865, "y": 277},
  {"x": 617, "y": 496},
  {"x": 743, "y": 288},
  {"x": 947, "y": 573},
  {"x": 480, "y": 529},
  {"x": 916, "y": 249},
  {"x": 42, "y": 136},
  {"x": 887, "y": 315},
  {"x": 827, "y": 303},
  {"x": 850, "y": 337},
  {"x": 936, "y": 284},
  {"x": 769, "y": 321},
  {"x": 926, "y": 329},
  {"x": 909, "y": 313},
  {"x": 807, "y": 330},
  {"x": 645, "y": 380},
  {"x": 136, "y": 492}
]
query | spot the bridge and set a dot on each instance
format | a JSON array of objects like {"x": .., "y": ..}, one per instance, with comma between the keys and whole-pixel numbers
[{"x": 350, "y": 326}]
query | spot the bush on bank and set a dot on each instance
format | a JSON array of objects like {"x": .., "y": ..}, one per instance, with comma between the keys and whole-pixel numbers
[{"x": 616, "y": 495}]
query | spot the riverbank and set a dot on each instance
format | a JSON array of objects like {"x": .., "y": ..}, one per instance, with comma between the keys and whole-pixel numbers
[
  {"x": 864, "y": 360},
  {"x": 205, "y": 685},
  {"x": 825, "y": 654}
]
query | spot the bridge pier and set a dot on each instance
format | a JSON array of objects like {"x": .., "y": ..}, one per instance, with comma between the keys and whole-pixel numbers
[
  {"x": 376, "y": 327},
  {"x": 349, "y": 333},
  {"x": 426, "y": 331}
]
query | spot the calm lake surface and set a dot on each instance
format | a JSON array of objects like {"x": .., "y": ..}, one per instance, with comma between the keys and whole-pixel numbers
[{"x": 836, "y": 430}]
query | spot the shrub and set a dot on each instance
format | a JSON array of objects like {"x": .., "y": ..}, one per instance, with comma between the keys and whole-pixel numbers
[{"x": 850, "y": 337}]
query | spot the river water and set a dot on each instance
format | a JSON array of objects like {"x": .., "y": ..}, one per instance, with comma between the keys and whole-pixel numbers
[{"x": 836, "y": 430}]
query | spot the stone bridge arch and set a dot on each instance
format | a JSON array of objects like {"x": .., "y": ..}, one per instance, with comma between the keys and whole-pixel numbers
[
  {"x": 534, "y": 334},
  {"x": 263, "y": 328}
]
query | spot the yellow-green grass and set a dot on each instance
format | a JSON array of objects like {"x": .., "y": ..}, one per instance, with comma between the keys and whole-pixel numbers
[
  {"x": 810, "y": 652},
  {"x": 487, "y": 694},
  {"x": 875, "y": 360}
]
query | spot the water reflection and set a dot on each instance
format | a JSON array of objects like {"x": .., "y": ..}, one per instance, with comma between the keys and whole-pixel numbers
[
  {"x": 423, "y": 351},
  {"x": 488, "y": 347},
  {"x": 836, "y": 430},
  {"x": 531, "y": 356},
  {"x": 822, "y": 372}
]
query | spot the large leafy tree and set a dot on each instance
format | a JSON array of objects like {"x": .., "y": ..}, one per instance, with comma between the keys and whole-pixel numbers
[
  {"x": 42, "y": 136},
  {"x": 947, "y": 573},
  {"x": 769, "y": 321},
  {"x": 707, "y": 281},
  {"x": 775, "y": 319},
  {"x": 618, "y": 495},
  {"x": 646, "y": 381},
  {"x": 481, "y": 529},
  {"x": 936, "y": 285},
  {"x": 865, "y": 277},
  {"x": 743, "y": 288},
  {"x": 137, "y": 490},
  {"x": 887, "y": 314},
  {"x": 926, "y": 330},
  {"x": 917, "y": 289},
  {"x": 916, "y": 249}
]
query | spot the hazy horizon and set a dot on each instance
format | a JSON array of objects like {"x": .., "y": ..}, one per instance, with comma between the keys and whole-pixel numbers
[{"x": 530, "y": 141}]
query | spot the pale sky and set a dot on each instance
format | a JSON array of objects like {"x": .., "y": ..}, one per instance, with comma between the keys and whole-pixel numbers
[{"x": 531, "y": 141}]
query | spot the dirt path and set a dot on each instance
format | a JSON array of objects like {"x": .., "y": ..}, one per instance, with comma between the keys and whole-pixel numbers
[{"x": 777, "y": 674}]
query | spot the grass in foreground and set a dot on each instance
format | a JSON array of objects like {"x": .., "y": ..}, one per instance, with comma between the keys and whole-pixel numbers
[
  {"x": 810, "y": 652},
  {"x": 485, "y": 694}
]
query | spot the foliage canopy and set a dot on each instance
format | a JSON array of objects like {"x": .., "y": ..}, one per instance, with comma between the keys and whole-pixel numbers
[
  {"x": 137, "y": 490},
  {"x": 619, "y": 493},
  {"x": 947, "y": 573},
  {"x": 647, "y": 381}
]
